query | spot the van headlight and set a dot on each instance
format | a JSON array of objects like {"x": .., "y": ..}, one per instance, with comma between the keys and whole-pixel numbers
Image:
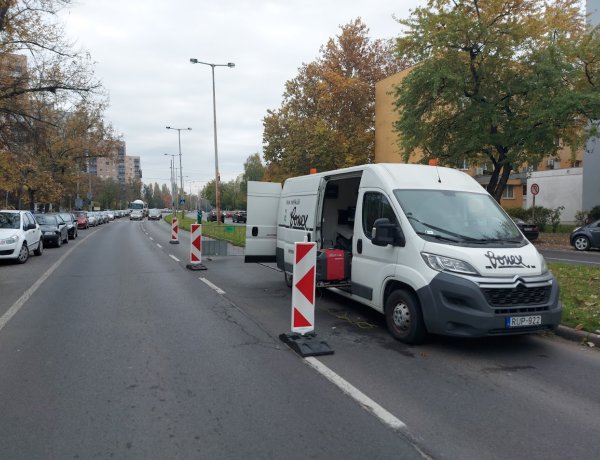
[
  {"x": 543, "y": 265},
  {"x": 447, "y": 264}
]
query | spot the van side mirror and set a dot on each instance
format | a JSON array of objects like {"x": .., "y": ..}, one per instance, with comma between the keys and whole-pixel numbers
[{"x": 385, "y": 233}]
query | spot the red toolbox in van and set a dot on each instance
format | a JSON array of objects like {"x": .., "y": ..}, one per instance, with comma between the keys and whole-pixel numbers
[{"x": 333, "y": 265}]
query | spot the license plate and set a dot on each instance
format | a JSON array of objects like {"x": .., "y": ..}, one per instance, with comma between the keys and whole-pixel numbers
[
  {"x": 528, "y": 229},
  {"x": 523, "y": 321}
]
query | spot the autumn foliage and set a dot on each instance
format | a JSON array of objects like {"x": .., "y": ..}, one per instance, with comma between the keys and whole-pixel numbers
[{"x": 327, "y": 117}]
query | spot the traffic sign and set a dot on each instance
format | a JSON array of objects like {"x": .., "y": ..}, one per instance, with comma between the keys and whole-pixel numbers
[
  {"x": 303, "y": 339},
  {"x": 535, "y": 189},
  {"x": 303, "y": 293}
]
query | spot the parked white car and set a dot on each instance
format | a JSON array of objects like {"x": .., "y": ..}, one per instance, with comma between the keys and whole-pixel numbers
[{"x": 19, "y": 234}]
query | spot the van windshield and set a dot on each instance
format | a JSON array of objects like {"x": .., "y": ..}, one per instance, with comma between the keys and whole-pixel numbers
[{"x": 455, "y": 216}]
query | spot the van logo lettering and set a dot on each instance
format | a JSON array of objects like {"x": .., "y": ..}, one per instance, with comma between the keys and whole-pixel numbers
[
  {"x": 513, "y": 261},
  {"x": 298, "y": 220}
]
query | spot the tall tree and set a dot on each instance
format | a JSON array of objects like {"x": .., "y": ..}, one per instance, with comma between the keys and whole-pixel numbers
[
  {"x": 505, "y": 82},
  {"x": 253, "y": 170},
  {"x": 327, "y": 117},
  {"x": 47, "y": 92}
]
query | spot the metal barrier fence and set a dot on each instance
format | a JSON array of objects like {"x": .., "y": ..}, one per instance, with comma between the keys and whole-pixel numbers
[{"x": 216, "y": 240}]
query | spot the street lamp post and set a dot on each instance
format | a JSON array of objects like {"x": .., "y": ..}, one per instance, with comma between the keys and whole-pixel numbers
[
  {"x": 217, "y": 178},
  {"x": 173, "y": 182},
  {"x": 180, "y": 168}
]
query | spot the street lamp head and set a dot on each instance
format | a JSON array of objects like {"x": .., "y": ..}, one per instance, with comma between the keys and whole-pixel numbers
[
  {"x": 194, "y": 60},
  {"x": 168, "y": 127},
  {"x": 230, "y": 64}
]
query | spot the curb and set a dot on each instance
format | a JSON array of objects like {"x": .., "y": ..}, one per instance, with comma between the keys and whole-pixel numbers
[{"x": 578, "y": 336}]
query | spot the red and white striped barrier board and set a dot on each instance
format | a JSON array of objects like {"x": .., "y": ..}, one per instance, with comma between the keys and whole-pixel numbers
[
  {"x": 174, "y": 231},
  {"x": 303, "y": 291},
  {"x": 196, "y": 244}
]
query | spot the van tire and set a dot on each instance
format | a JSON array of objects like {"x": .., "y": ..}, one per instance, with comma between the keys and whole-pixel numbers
[
  {"x": 404, "y": 318},
  {"x": 289, "y": 280}
]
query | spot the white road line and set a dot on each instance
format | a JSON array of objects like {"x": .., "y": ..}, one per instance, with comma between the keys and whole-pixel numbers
[
  {"x": 159, "y": 245},
  {"x": 14, "y": 309},
  {"x": 151, "y": 239},
  {"x": 174, "y": 258},
  {"x": 211, "y": 285},
  {"x": 386, "y": 417}
]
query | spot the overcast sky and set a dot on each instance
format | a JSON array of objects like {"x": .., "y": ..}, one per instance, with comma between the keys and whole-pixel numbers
[{"x": 143, "y": 48}]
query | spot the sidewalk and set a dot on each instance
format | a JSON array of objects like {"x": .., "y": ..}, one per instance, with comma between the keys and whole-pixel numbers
[{"x": 578, "y": 336}]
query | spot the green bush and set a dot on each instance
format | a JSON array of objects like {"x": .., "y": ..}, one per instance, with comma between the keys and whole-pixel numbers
[
  {"x": 580, "y": 218},
  {"x": 595, "y": 213},
  {"x": 518, "y": 213},
  {"x": 554, "y": 216}
]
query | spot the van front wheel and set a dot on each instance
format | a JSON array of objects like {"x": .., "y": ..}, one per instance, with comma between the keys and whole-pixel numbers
[{"x": 404, "y": 317}]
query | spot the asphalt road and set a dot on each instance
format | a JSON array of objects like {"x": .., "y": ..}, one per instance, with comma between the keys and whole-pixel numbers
[
  {"x": 123, "y": 352},
  {"x": 572, "y": 256}
]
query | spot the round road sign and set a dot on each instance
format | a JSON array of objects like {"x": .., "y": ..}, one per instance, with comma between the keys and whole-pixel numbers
[{"x": 535, "y": 189}]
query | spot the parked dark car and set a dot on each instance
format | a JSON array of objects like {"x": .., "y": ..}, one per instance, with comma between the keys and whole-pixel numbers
[
  {"x": 212, "y": 217},
  {"x": 71, "y": 222},
  {"x": 586, "y": 237},
  {"x": 530, "y": 231},
  {"x": 54, "y": 229},
  {"x": 239, "y": 216}
]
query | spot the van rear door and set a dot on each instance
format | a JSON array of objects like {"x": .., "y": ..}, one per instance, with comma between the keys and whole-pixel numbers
[{"x": 261, "y": 224}]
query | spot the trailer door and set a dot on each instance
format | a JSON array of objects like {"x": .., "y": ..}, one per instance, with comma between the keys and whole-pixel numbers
[{"x": 261, "y": 224}]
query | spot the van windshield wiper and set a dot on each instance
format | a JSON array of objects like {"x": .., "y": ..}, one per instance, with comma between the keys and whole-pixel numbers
[
  {"x": 460, "y": 238},
  {"x": 495, "y": 240},
  {"x": 440, "y": 237}
]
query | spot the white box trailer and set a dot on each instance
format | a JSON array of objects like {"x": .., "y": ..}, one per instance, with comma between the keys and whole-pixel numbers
[{"x": 429, "y": 248}]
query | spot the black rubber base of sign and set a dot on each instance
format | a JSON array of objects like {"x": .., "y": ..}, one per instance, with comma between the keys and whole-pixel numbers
[
  {"x": 196, "y": 267},
  {"x": 174, "y": 242},
  {"x": 306, "y": 344}
]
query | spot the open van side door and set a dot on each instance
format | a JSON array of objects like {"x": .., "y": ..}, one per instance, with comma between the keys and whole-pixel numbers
[{"x": 261, "y": 224}]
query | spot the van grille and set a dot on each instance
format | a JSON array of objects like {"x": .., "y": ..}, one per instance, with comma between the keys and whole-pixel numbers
[{"x": 520, "y": 296}]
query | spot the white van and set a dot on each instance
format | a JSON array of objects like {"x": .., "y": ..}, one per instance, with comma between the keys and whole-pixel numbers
[{"x": 428, "y": 247}]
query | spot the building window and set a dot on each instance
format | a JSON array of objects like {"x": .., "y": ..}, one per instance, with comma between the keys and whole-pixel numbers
[
  {"x": 524, "y": 190},
  {"x": 508, "y": 193}
]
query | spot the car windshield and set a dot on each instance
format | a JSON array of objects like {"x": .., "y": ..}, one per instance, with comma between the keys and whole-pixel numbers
[
  {"x": 45, "y": 220},
  {"x": 460, "y": 217},
  {"x": 66, "y": 217},
  {"x": 10, "y": 220}
]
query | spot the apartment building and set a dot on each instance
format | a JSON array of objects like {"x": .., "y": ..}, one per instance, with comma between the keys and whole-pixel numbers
[{"x": 121, "y": 168}]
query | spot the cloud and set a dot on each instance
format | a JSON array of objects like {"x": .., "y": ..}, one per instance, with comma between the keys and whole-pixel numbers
[{"x": 143, "y": 50}]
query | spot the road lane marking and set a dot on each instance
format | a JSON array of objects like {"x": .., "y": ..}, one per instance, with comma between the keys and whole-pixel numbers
[
  {"x": 174, "y": 258},
  {"x": 151, "y": 239},
  {"x": 386, "y": 417},
  {"x": 159, "y": 245},
  {"x": 212, "y": 286},
  {"x": 14, "y": 309}
]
